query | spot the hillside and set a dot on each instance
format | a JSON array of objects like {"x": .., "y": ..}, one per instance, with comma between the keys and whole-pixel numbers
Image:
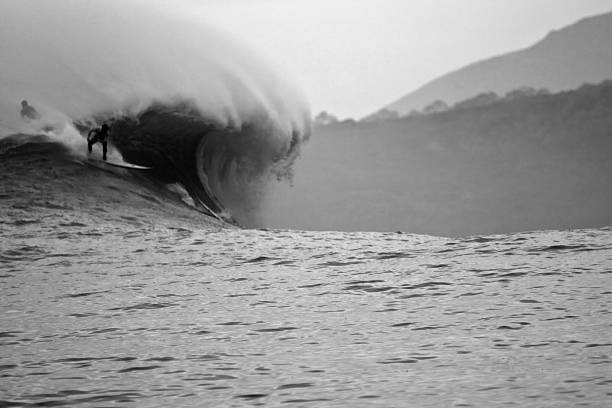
[
  {"x": 563, "y": 60},
  {"x": 537, "y": 162}
]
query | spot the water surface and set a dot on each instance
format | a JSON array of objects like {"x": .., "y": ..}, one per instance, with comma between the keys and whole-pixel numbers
[{"x": 130, "y": 313}]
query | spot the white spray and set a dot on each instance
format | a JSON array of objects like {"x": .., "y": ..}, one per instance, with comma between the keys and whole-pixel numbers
[{"x": 73, "y": 60}]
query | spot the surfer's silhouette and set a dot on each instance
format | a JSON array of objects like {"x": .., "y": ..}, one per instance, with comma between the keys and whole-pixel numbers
[
  {"x": 28, "y": 112},
  {"x": 98, "y": 135}
]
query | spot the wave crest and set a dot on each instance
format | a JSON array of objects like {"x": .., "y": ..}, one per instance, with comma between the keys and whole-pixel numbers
[
  {"x": 223, "y": 168},
  {"x": 181, "y": 96}
]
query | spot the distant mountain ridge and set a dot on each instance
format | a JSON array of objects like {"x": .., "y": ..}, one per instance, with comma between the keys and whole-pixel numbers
[{"x": 564, "y": 59}]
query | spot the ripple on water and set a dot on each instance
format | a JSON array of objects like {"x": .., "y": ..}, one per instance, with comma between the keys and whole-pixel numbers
[{"x": 177, "y": 317}]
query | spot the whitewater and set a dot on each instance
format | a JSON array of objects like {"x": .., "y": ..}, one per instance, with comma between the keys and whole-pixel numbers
[
  {"x": 144, "y": 288},
  {"x": 178, "y": 95}
]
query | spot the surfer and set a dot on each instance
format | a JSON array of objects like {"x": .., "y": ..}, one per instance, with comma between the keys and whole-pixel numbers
[
  {"x": 28, "y": 112},
  {"x": 98, "y": 135}
]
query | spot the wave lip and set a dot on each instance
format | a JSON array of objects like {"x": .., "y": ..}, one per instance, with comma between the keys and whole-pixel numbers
[{"x": 224, "y": 169}]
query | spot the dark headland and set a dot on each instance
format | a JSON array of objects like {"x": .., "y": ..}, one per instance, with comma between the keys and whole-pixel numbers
[{"x": 532, "y": 162}]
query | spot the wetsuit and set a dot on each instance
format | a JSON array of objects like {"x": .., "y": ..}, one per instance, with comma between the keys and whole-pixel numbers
[{"x": 98, "y": 135}]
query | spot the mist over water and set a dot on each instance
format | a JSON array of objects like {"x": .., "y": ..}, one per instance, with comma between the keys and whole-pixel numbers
[{"x": 80, "y": 59}]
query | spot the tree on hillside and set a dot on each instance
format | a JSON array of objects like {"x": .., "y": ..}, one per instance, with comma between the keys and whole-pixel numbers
[
  {"x": 482, "y": 99},
  {"x": 324, "y": 118},
  {"x": 436, "y": 107},
  {"x": 525, "y": 91},
  {"x": 381, "y": 115}
]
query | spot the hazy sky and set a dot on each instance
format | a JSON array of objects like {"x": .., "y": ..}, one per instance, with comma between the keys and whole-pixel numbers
[{"x": 351, "y": 57}]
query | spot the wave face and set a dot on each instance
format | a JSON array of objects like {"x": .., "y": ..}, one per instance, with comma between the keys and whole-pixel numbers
[{"x": 179, "y": 96}]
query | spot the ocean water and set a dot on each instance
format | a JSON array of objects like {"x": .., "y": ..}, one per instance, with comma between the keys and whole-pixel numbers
[
  {"x": 120, "y": 288},
  {"x": 114, "y": 294}
]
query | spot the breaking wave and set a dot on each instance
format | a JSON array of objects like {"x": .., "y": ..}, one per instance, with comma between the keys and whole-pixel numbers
[{"x": 179, "y": 96}]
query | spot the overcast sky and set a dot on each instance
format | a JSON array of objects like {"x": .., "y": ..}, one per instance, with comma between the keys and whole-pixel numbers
[{"x": 351, "y": 57}]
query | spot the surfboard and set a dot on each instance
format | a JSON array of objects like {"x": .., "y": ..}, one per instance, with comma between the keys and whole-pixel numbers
[
  {"x": 124, "y": 165},
  {"x": 127, "y": 165}
]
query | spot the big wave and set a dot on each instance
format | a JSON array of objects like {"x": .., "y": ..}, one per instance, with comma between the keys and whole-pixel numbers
[{"x": 179, "y": 95}]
